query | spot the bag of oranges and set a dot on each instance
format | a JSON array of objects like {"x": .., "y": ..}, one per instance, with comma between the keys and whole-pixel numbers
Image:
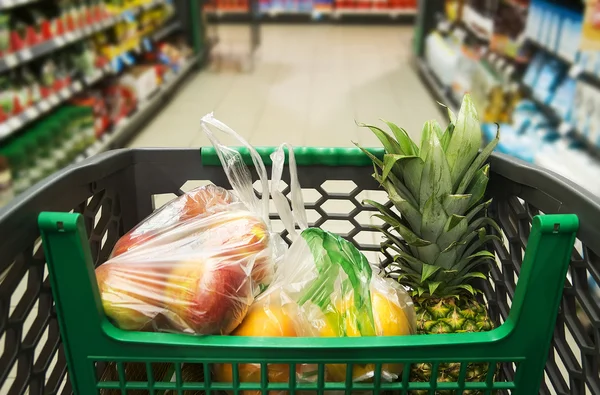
[{"x": 323, "y": 287}]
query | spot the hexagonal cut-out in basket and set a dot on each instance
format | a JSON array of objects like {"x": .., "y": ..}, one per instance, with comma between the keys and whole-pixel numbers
[
  {"x": 193, "y": 184},
  {"x": 313, "y": 217},
  {"x": 367, "y": 219},
  {"x": 342, "y": 228},
  {"x": 339, "y": 207},
  {"x": 310, "y": 196},
  {"x": 340, "y": 187},
  {"x": 160, "y": 200},
  {"x": 258, "y": 186},
  {"x": 367, "y": 238}
]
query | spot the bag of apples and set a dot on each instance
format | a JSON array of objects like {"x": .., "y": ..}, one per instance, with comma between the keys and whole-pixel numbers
[
  {"x": 196, "y": 264},
  {"x": 323, "y": 287}
]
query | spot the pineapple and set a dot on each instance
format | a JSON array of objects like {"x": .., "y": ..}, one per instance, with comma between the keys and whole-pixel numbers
[{"x": 439, "y": 237}]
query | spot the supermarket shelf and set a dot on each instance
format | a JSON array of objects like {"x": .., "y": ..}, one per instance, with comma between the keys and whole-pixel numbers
[
  {"x": 14, "y": 123},
  {"x": 316, "y": 14},
  {"x": 145, "y": 110},
  {"x": 564, "y": 128},
  {"x": 25, "y": 55},
  {"x": 274, "y": 12},
  {"x": 7, "y": 4},
  {"x": 548, "y": 111},
  {"x": 589, "y": 78},
  {"x": 43, "y": 106},
  {"x": 391, "y": 13},
  {"x": 474, "y": 33},
  {"x": 220, "y": 13},
  {"x": 166, "y": 30},
  {"x": 540, "y": 47},
  {"x": 340, "y": 12},
  {"x": 575, "y": 69},
  {"x": 439, "y": 92}
]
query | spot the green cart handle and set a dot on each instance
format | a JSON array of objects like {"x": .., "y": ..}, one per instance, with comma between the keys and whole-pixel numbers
[{"x": 305, "y": 156}]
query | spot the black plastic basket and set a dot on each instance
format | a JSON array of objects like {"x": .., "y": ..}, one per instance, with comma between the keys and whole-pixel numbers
[{"x": 116, "y": 190}]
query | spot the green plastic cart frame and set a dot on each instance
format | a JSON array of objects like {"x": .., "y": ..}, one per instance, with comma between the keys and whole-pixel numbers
[{"x": 110, "y": 193}]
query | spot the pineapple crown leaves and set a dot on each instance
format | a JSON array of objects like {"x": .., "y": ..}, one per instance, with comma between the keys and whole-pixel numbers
[{"x": 437, "y": 187}]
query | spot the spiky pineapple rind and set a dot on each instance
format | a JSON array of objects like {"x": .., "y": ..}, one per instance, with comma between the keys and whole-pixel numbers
[{"x": 434, "y": 316}]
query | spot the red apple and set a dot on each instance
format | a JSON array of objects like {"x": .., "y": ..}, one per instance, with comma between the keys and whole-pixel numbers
[
  {"x": 211, "y": 295},
  {"x": 208, "y": 298}
]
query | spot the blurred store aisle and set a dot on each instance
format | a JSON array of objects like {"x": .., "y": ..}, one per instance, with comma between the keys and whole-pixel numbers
[{"x": 310, "y": 84}]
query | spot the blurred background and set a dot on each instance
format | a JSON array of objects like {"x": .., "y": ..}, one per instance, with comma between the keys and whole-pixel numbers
[{"x": 79, "y": 77}]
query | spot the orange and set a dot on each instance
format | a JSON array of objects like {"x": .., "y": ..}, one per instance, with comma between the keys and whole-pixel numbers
[{"x": 262, "y": 320}]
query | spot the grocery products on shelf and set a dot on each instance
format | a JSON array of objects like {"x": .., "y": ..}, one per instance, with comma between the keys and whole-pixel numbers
[
  {"x": 390, "y": 6},
  {"x": 61, "y": 70},
  {"x": 49, "y": 145},
  {"x": 510, "y": 21},
  {"x": 461, "y": 69},
  {"x": 568, "y": 34},
  {"x": 172, "y": 55},
  {"x": 60, "y": 32},
  {"x": 227, "y": 6},
  {"x": 555, "y": 128},
  {"x": 536, "y": 141},
  {"x": 557, "y": 28},
  {"x": 130, "y": 33},
  {"x": 570, "y": 103},
  {"x": 7, "y": 192},
  {"x": 286, "y": 6},
  {"x": 64, "y": 97},
  {"x": 536, "y": 76},
  {"x": 25, "y": 86},
  {"x": 91, "y": 116},
  {"x": 142, "y": 80},
  {"x": 315, "y": 7},
  {"x": 478, "y": 16},
  {"x": 25, "y": 27}
]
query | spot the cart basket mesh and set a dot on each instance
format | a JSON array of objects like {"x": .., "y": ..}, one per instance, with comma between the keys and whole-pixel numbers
[{"x": 112, "y": 192}]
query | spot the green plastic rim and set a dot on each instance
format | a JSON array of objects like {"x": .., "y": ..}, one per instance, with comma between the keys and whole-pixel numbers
[{"x": 305, "y": 156}]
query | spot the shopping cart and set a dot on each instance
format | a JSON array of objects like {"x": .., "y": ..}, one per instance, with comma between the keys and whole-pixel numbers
[{"x": 87, "y": 207}]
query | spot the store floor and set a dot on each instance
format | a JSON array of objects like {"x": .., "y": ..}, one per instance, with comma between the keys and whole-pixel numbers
[{"x": 309, "y": 86}]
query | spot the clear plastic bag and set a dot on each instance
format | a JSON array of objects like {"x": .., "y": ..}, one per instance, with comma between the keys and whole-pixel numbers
[
  {"x": 190, "y": 205},
  {"x": 323, "y": 287},
  {"x": 195, "y": 265},
  {"x": 240, "y": 178},
  {"x": 192, "y": 271}
]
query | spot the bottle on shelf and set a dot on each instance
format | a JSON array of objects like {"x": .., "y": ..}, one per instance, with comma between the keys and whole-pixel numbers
[
  {"x": 6, "y": 187},
  {"x": 45, "y": 160},
  {"x": 18, "y": 163},
  {"x": 55, "y": 139},
  {"x": 31, "y": 146}
]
